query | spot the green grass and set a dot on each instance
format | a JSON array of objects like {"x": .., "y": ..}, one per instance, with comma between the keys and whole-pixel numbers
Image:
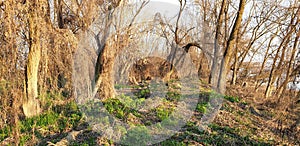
[{"x": 57, "y": 120}]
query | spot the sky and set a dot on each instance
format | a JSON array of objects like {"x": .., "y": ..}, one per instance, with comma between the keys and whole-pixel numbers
[
  {"x": 161, "y": 6},
  {"x": 168, "y": 1}
]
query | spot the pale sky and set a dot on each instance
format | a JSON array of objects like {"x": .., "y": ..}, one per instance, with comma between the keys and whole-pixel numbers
[{"x": 168, "y": 1}]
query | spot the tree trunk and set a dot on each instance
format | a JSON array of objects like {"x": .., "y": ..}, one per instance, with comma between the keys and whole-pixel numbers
[
  {"x": 204, "y": 65},
  {"x": 59, "y": 9},
  {"x": 261, "y": 70},
  {"x": 31, "y": 105},
  {"x": 108, "y": 50},
  {"x": 282, "y": 88},
  {"x": 283, "y": 43},
  {"x": 214, "y": 74},
  {"x": 235, "y": 65},
  {"x": 104, "y": 72},
  {"x": 228, "y": 51},
  {"x": 235, "y": 68}
]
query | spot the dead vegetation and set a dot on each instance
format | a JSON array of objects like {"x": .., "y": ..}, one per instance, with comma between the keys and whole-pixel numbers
[{"x": 259, "y": 55}]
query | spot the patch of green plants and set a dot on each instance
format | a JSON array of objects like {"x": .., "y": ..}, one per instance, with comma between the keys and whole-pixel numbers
[
  {"x": 143, "y": 93},
  {"x": 227, "y": 107},
  {"x": 121, "y": 110},
  {"x": 173, "y": 96},
  {"x": 116, "y": 107},
  {"x": 5, "y": 132},
  {"x": 42, "y": 121},
  {"x": 192, "y": 127},
  {"x": 139, "y": 135},
  {"x": 57, "y": 120},
  {"x": 88, "y": 141},
  {"x": 142, "y": 90},
  {"x": 163, "y": 113},
  {"x": 223, "y": 129},
  {"x": 232, "y": 98},
  {"x": 218, "y": 135},
  {"x": 214, "y": 94},
  {"x": 132, "y": 102},
  {"x": 24, "y": 139},
  {"x": 171, "y": 142},
  {"x": 223, "y": 135},
  {"x": 202, "y": 107}
]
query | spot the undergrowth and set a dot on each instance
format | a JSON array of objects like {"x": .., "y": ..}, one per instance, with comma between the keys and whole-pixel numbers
[{"x": 59, "y": 119}]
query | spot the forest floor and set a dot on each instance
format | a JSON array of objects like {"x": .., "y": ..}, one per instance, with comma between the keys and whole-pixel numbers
[{"x": 242, "y": 120}]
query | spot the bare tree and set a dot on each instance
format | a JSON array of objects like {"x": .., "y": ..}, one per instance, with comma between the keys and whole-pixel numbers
[
  {"x": 108, "y": 52},
  {"x": 214, "y": 73},
  {"x": 282, "y": 47},
  {"x": 225, "y": 65},
  {"x": 289, "y": 69}
]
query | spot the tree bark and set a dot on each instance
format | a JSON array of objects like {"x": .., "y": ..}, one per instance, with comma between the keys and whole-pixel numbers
[
  {"x": 108, "y": 50},
  {"x": 103, "y": 73},
  {"x": 225, "y": 65},
  {"x": 235, "y": 65},
  {"x": 31, "y": 105},
  {"x": 214, "y": 74},
  {"x": 59, "y": 9}
]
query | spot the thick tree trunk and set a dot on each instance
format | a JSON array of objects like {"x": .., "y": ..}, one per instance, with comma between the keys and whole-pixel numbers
[
  {"x": 31, "y": 106},
  {"x": 103, "y": 76},
  {"x": 228, "y": 51},
  {"x": 108, "y": 50},
  {"x": 214, "y": 73},
  {"x": 204, "y": 66},
  {"x": 104, "y": 73}
]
